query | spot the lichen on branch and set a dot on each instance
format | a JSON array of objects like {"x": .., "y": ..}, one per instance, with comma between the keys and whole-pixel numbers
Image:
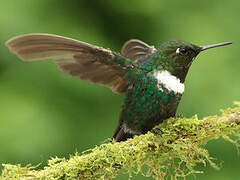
[{"x": 174, "y": 150}]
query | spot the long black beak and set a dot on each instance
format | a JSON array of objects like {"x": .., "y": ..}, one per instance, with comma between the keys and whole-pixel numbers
[{"x": 203, "y": 48}]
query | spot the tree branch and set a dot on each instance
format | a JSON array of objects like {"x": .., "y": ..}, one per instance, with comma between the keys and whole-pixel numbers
[{"x": 173, "y": 152}]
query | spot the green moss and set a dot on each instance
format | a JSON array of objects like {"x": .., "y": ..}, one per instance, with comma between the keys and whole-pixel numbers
[{"x": 174, "y": 152}]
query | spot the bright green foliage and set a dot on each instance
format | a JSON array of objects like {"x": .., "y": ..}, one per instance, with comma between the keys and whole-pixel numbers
[{"x": 174, "y": 152}]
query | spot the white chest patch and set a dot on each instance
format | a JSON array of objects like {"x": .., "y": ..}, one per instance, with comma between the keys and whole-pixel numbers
[{"x": 172, "y": 83}]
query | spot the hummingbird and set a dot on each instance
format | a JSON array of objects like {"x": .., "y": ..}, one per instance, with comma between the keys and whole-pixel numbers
[{"x": 152, "y": 79}]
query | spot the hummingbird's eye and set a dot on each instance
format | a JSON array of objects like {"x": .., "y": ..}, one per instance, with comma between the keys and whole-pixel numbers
[{"x": 182, "y": 51}]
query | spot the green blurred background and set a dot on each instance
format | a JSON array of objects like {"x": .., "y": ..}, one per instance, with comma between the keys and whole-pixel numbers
[{"x": 45, "y": 113}]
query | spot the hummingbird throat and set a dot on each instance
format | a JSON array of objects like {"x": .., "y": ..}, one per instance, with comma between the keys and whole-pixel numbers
[{"x": 171, "y": 82}]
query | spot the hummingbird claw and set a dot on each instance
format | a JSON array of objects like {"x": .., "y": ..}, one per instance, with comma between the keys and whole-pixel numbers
[{"x": 179, "y": 116}]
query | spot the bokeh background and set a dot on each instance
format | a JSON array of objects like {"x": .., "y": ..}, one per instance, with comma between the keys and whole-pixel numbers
[{"x": 44, "y": 113}]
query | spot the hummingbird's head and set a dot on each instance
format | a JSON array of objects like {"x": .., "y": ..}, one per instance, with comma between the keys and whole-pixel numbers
[{"x": 177, "y": 56}]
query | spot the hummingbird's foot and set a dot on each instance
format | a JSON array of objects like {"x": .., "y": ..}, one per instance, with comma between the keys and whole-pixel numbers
[
  {"x": 179, "y": 116},
  {"x": 156, "y": 131}
]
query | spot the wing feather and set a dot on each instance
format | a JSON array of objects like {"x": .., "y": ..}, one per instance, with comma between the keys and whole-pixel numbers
[
  {"x": 79, "y": 59},
  {"x": 137, "y": 50}
]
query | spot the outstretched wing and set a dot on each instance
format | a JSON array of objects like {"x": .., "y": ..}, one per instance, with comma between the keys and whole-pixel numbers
[{"x": 79, "y": 59}]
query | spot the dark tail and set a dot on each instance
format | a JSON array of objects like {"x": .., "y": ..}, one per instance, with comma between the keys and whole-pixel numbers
[{"x": 120, "y": 135}]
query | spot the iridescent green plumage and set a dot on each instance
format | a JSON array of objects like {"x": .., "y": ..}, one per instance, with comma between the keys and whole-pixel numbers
[
  {"x": 148, "y": 102},
  {"x": 151, "y": 78}
]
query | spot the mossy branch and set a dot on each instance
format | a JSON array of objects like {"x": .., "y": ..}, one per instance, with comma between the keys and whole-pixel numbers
[{"x": 174, "y": 152}]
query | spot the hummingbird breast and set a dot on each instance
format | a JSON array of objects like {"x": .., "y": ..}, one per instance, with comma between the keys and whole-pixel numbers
[{"x": 150, "y": 99}]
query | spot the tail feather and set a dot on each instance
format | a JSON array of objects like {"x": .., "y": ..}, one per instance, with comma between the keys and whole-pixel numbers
[{"x": 121, "y": 135}]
